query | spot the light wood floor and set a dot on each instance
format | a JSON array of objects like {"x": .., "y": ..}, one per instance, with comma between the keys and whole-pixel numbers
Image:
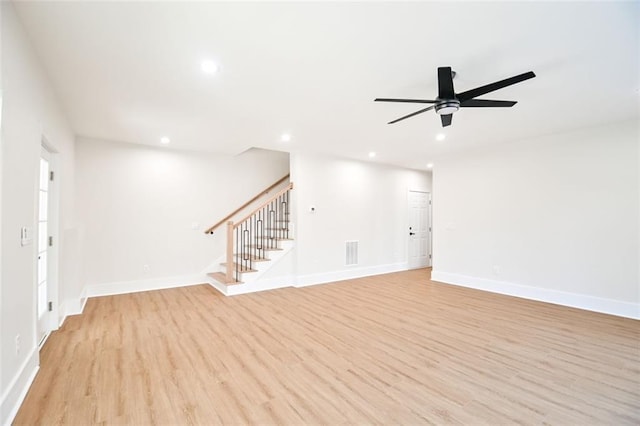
[{"x": 391, "y": 349}]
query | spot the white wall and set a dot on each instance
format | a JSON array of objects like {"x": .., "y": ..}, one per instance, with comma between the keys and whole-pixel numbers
[
  {"x": 354, "y": 200},
  {"x": 29, "y": 112},
  {"x": 1, "y": 180},
  {"x": 137, "y": 205},
  {"x": 554, "y": 218}
]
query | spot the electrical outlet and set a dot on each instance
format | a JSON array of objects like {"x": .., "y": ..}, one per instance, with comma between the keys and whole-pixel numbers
[
  {"x": 145, "y": 268},
  {"x": 496, "y": 270},
  {"x": 17, "y": 344}
]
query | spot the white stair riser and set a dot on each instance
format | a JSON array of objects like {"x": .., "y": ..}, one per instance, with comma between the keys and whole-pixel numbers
[{"x": 263, "y": 266}]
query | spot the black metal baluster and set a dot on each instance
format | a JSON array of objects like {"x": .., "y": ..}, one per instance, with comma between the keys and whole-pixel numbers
[
  {"x": 236, "y": 252},
  {"x": 254, "y": 237},
  {"x": 285, "y": 227},
  {"x": 279, "y": 215},
  {"x": 283, "y": 208},
  {"x": 274, "y": 221},
  {"x": 259, "y": 229}
]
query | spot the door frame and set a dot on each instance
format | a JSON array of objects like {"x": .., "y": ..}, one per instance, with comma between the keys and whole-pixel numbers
[
  {"x": 429, "y": 225},
  {"x": 51, "y": 323}
]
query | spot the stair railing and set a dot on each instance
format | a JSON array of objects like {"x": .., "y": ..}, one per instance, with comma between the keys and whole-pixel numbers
[
  {"x": 251, "y": 237},
  {"x": 248, "y": 203}
]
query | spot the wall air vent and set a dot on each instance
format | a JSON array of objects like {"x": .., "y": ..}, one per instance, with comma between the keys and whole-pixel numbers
[{"x": 351, "y": 252}]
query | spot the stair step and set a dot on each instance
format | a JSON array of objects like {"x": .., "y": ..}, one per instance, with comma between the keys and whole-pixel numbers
[
  {"x": 241, "y": 268},
  {"x": 264, "y": 248},
  {"x": 221, "y": 277},
  {"x": 265, "y": 239},
  {"x": 253, "y": 258}
]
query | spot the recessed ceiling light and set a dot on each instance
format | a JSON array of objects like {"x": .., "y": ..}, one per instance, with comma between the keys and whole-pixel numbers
[
  {"x": 372, "y": 154},
  {"x": 165, "y": 140},
  {"x": 286, "y": 137},
  {"x": 209, "y": 67},
  {"x": 440, "y": 136},
  {"x": 429, "y": 165}
]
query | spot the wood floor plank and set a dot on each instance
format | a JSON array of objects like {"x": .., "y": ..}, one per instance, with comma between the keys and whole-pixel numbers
[{"x": 389, "y": 349}]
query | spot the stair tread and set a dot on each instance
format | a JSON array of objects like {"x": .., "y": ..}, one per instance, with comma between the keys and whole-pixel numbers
[
  {"x": 254, "y": 258},
  {"x": 276, "y": 239},
  {"x": 264, "y": 248},
  {"x": 221, "y": 277},
  {"x": 242, "y": 269}
]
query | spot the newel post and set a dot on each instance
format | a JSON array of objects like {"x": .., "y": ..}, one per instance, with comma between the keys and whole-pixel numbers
[{"x": 230, "y": 259}]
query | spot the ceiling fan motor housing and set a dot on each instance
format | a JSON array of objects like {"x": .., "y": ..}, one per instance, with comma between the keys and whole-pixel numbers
[{"x": 447, "y": 106}]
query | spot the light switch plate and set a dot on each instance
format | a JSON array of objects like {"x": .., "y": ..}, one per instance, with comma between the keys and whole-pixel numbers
[{"x": 25, "y": 236}]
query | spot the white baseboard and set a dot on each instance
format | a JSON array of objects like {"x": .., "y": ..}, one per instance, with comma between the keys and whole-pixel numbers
[
  {"x": 18, "y": 388},
  {"x": 574, "y": 300},
  {"x": 72, "y": 307},
  {"x": 76, "y": 306},
  {"x": 123, "y": 287},
  {"x": 260, "y": 285},
  {"x": 348, "y": 274},
  {"x": 306, "y": 280}
]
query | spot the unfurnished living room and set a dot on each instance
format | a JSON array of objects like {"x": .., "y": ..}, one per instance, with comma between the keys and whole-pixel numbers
[{"x": 313, "y": 213}]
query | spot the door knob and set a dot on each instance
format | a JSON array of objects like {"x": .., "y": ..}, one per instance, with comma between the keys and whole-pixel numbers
[{"x": 412, "y": 233}]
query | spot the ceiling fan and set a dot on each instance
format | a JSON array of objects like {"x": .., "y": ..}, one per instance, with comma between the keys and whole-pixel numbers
[{"x": 448, "y": 102}]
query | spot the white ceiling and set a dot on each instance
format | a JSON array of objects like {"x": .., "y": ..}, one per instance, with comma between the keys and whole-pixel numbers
[{"x": 130, "y": 71}]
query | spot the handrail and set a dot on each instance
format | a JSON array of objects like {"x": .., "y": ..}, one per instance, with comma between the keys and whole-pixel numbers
[
  {"x": 229, "y": 216},
  {"x": 266, "y": 203}
]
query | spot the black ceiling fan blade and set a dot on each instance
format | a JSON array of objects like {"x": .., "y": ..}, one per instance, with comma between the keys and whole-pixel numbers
[
  {"x": 446, "y": 119},
  {"x": 412, "y": 114},
  {"x": 445, "y": 83},
  {"x": 413, "y": 101},
  {"x": 483, "y": 103},
  {"x": 479, "y": 91}
]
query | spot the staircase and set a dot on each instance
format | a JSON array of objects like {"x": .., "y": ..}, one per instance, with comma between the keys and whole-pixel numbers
[{"x": 254, "y": 244}]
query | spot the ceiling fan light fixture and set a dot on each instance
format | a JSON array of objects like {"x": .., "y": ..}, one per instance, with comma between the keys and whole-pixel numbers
[{"x": 447, "y": 107}]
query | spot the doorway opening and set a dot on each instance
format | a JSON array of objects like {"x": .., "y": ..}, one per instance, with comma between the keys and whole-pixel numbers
[{"x": 46, "y": 271}]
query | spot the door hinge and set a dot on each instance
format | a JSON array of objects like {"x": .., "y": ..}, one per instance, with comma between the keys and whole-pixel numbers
[
  {"x": 50, "y": 306},
  {"x": 51, "y": 175},
  {"x": 50, "y": 241},
  {"x": 429, "y": 256}
]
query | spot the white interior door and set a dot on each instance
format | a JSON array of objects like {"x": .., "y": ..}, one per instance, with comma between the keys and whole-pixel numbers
[
  {"x": 419, "y": 229},
  {"x": 44, "y": 207}
]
